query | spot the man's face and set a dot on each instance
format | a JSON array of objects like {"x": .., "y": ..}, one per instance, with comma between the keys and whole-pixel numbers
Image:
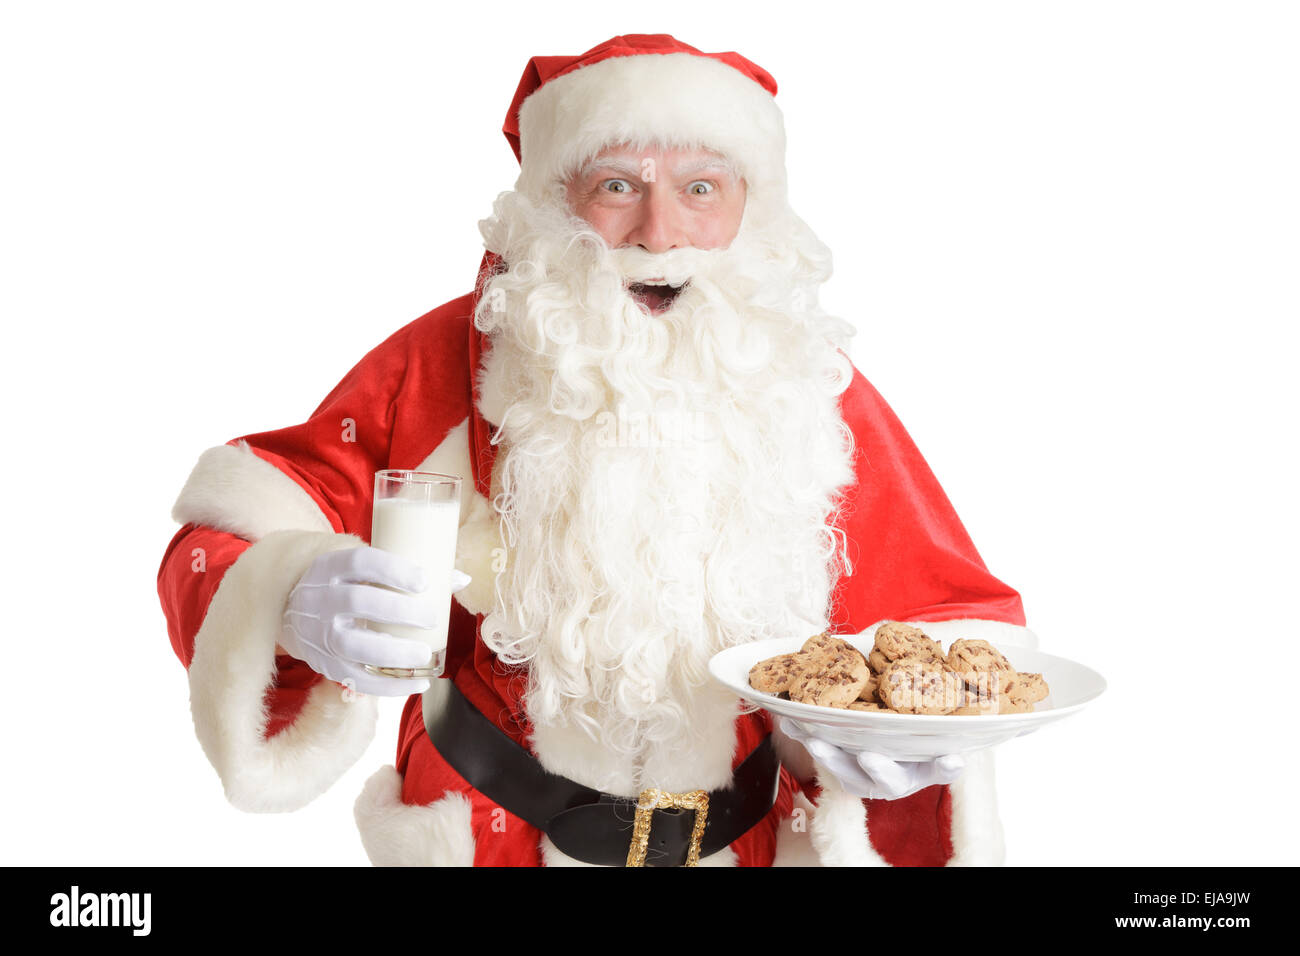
[{"x": 659, "y": 200}]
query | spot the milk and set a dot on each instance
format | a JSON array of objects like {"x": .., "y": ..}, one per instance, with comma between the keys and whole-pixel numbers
[{"x": 424, "y": 532}]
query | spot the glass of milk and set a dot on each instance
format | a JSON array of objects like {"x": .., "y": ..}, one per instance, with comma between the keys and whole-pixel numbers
[{"x": 416, "y": 515}]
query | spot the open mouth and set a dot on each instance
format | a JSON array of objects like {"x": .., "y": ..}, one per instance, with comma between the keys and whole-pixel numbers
[{"x": 658, "y": 297}]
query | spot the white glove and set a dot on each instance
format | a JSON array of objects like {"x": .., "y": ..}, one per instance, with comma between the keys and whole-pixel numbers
[
  {"x": 324, "y": 620},
  {"x": 871, "y": 775}
]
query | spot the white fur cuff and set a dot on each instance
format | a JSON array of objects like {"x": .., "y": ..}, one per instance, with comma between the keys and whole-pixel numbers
[
  {"x": 399, "y": 834},
  {"x": 232, "y": 489},
  {"x": 234, "y": 664}
]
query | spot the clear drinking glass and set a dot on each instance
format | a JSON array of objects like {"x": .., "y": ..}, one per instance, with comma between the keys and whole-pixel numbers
[{"x": 417, "y": 515}]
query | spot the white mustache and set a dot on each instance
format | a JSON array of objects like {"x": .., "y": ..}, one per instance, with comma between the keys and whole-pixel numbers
[{"x": 673, "y": 268}]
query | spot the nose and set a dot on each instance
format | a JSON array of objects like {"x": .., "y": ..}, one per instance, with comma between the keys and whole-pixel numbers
[{"x": 659, "y": 226}]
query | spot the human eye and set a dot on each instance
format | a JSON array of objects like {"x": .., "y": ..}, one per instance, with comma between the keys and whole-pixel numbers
[
  {"x": 616, "y": 186},
  {"x": 701, "y": 187}
]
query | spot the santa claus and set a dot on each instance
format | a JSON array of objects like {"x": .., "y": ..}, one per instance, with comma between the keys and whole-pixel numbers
[{"x": 666, "y": 452}]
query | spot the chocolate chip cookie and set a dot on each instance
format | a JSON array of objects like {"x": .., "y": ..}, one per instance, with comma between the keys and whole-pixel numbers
[
  {"x": 980, "y": 665},
  {"x": 921, "y": 686},
  {"x": 824, "y": 645},
  {"x": 773, "y": 675},
  {"x": 1030, "y": 688},
  {"x": 896, "y": 641},
  {"x": 830, "y": 681}
]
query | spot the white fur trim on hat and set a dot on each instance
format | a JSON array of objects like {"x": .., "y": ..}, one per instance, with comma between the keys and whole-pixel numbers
[
  {"x": 401, "y": 834},
  {"x": 234, "y": 664},
  {"x": 680, "y": 99},
  {"x": 232, "y": 489}
]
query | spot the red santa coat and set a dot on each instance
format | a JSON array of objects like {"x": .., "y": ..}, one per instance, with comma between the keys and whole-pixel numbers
[{"x": 257, "y": 511}]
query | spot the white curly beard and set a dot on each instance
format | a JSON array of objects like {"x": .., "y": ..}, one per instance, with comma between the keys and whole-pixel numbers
[{"x": 667, "y": 483}]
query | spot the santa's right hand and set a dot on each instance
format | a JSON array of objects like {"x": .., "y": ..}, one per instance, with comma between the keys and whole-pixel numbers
[{"x": 325, "y": 620}]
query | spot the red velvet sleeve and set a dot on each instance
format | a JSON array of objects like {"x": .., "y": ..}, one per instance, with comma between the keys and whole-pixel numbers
[
  {"x": 335, "y": 453},
  {"x": 389, "y": 411},
  {"x": 191, "y": 570},
  {"x": 911, "y": 557},
  {"x": 333, "y": 457}
]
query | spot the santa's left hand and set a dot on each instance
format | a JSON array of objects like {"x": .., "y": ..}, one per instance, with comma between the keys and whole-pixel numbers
[{"x": 871, "y": 775}]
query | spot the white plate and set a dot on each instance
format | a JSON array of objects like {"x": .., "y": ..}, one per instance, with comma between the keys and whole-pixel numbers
[{"x": 913, "y": 736}]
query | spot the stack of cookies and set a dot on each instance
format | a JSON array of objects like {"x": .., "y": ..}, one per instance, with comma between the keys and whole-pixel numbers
[{"x": 905, "y": 673}]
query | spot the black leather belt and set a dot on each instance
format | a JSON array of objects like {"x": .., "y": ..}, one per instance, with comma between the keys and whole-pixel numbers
[{"x": 586, "y": 824}]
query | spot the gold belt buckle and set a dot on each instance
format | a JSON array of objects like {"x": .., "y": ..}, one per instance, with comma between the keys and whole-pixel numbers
[{"x": 652, "y": 800}]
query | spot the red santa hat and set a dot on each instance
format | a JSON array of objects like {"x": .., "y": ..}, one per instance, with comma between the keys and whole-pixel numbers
[{"x": 641, "y": 89}]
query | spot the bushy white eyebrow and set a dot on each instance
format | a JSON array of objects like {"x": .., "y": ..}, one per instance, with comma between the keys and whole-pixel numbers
[
  {"x": 685, "y": 170},
  {"x": 621, "y": 167},
  {"x": 631, "y": 169}
]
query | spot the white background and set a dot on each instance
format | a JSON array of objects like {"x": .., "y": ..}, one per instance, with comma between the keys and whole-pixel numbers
[{"x": 1068, "y": 233}]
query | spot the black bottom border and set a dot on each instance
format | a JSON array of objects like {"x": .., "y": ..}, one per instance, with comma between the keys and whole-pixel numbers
[{"x": 255, "y": 906}]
